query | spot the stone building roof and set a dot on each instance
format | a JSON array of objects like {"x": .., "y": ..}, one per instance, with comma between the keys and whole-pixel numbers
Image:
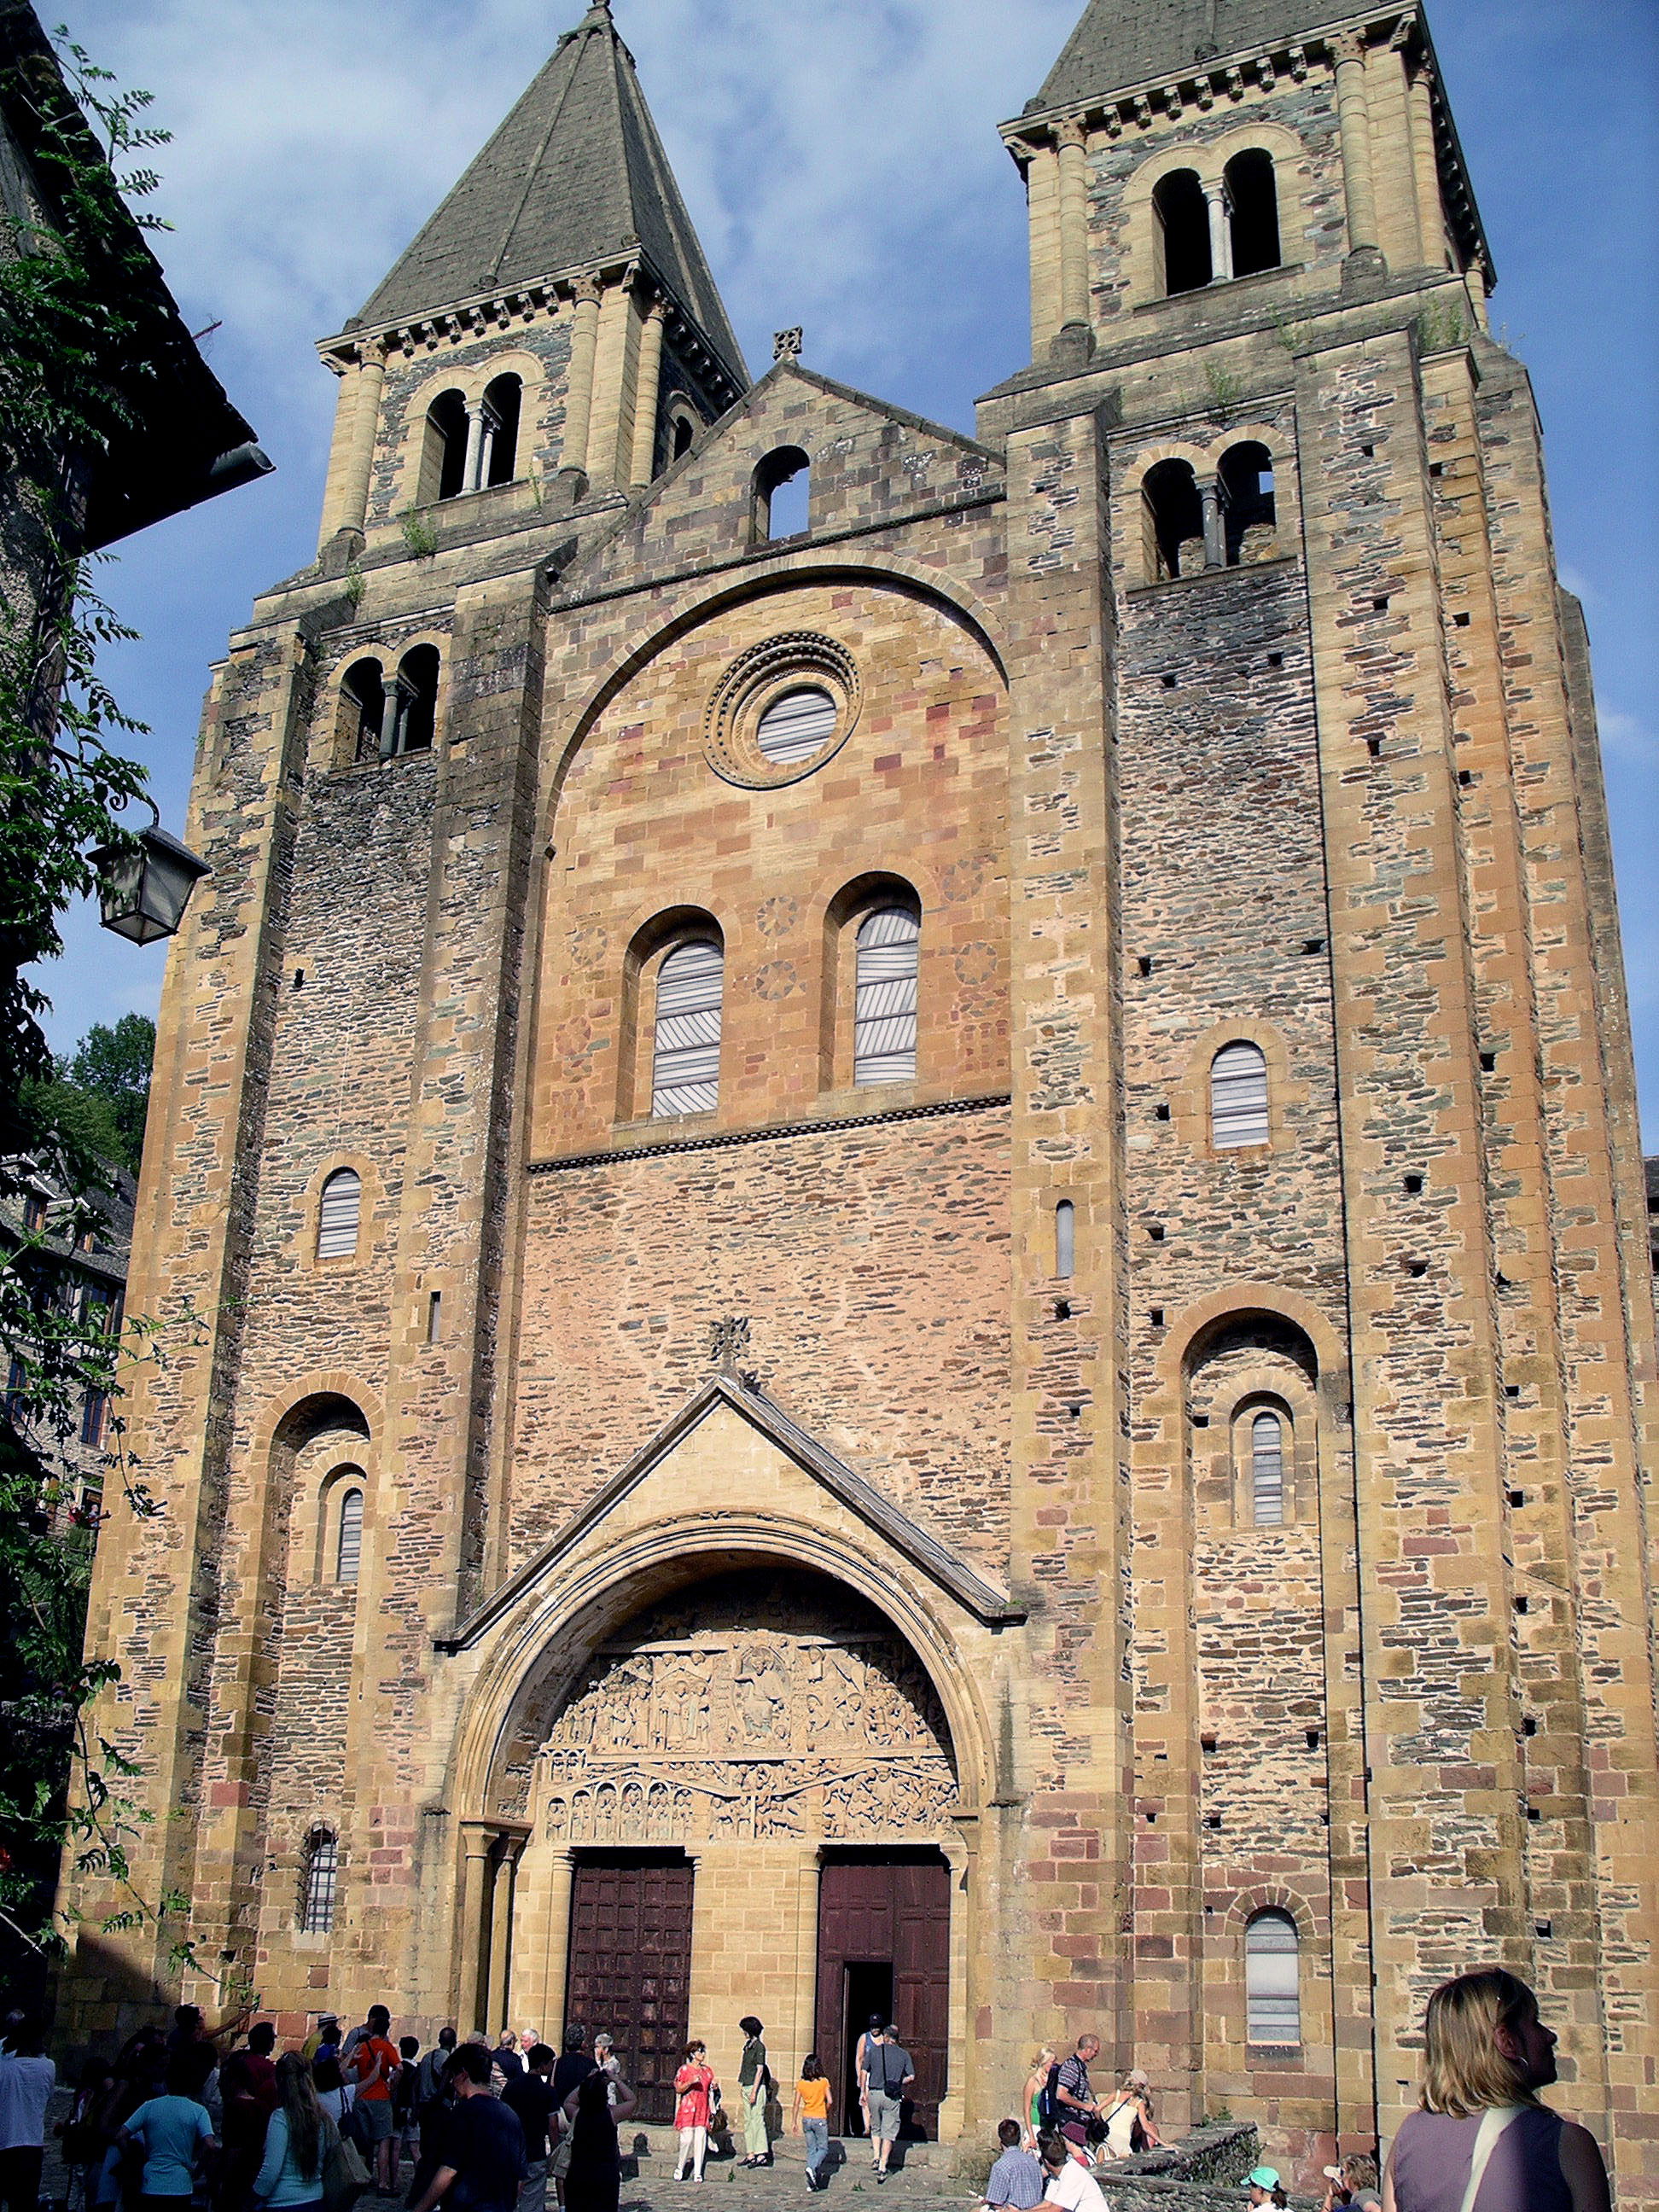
[
  {"x": 576, "y": 173},
  {"x": 1124, "y": 42}
]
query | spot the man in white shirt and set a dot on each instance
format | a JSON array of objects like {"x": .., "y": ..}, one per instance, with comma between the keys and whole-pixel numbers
[
  {"x": 1070, "y": 2183},
  {"x": 27, "y": 2081}
]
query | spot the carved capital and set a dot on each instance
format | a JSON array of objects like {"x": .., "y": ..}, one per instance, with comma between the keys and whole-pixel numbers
[
  {"x": 1346, "y": 46},
  {"x": 585, "y": 290},
  {"x": 1072, "y": 131}
]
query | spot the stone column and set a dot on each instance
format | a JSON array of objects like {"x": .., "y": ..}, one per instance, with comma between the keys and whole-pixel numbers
[
  {"x": 1221, "y": 235},
  {"x": 1348, "y": 52},
  {"x": 1426, "y": 165},
  {"x": 1215, "y": 539},
  {"x": 472, "y": 473},
  {"x": 500, "y": 1929},
  {"x": 1042, "y": 211},
  {"x": 610, "y": 422},
  {"x": 356, "y": 426},
  {"x": 478, "y": 1839},
  {"x": 1073, "y": 223},
  {"x": 647, "y": 392},
  {"x": 579, "y": 377}
]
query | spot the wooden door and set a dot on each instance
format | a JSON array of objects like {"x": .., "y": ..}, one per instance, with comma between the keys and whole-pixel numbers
[
  {"x": 887, "y": 1913},
  {"x": 630, "y": 1965}
]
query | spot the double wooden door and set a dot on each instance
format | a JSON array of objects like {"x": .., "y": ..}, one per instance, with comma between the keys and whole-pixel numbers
[
  {"x": 631, "y": 1965},
  {"x": 885, "y": 1942}
]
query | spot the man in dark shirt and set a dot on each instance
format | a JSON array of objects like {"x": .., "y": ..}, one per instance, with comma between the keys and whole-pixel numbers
[
  {"x": 575, "y": 2065},
  {"x": 530, "y": 2094},
  {"x": 891, "y": 2074},
  {"x": 247, "y": 2091},
  {"x": 483, "y": 2146},
  {"x": 508, "y": 2063}
]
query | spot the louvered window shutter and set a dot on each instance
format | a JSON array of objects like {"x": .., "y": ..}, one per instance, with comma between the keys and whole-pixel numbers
[
  {"x": 336, "y": 1226},
  {"x": 350, "y": 1553},
  {"x": 1239, "y": 1097},
  {"x": 793, "y": 728},
  {"x": 686, "y": 1056},
  {"x": 884, "y": 1023},
  {"x": 1272, "y": 2005},
  {"x": 1267, "y": 1470}
]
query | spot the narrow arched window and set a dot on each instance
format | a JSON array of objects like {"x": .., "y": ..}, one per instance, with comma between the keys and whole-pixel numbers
[
  {"x": 443, "y": 450},
  {"x": 1272, "y": 1998},
  {"x": 1064, "y": 1239},
  {"x": 411, "y": 704},
  {"x": 349, "y": 1546},
  {"x": 783, "y": 495},
  {"x": 1239, "y": 1097},
  {"x": 885, "y": 1017},
  {"x": 1267, "y": 1471},
  {"x": 362, "y": 709},
  {"x": 339, "y": 1214},
  {"x": 1182, "y": 217},
  {"x": 319, "y": 1883},
  {"x": 685, "y": 1071},
  {"x": 1250, "y": 507},
  {"x": 682, "y": 433},
  {"x": 1252, "y": 212},
  {"x": 498, "y": 456},
  {"x": 1173, "y": 518}
]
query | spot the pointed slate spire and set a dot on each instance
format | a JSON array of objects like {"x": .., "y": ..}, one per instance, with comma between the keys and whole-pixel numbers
[
  {"x": 575, "y": 175},
  {"x": 1127, "y": 42}
]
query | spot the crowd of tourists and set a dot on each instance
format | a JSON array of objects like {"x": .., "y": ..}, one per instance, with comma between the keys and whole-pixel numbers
[{"x": 215, "y": 2119}]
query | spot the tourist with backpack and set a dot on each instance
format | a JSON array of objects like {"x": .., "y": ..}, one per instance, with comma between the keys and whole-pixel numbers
[{"x": 1037, "y": 2101}]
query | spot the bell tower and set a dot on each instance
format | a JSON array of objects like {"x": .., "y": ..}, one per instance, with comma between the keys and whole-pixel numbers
[{"x": 555, "y": 322}]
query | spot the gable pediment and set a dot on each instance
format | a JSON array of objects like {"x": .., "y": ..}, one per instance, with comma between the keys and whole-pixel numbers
[{"x": 730, "y": 1447}]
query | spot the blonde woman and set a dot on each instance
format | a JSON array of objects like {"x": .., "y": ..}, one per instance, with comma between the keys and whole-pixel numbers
[
  {"x": 1035, "y": 2103},
  {"x": 1482, "y": 2142}
]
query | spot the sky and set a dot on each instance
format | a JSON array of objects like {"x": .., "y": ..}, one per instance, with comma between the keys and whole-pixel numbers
[{"x": 841, "y": 161}]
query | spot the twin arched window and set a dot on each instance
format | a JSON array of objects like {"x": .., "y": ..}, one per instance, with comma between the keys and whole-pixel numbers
[
  {"x": 340, "y": 1215},
  {"x": 1273, "y": 2002},
  {"x": 1208, "y": 234},
  {"x": 1239, "y": 1097},
  {"x": 685, "y": 1060},
  {"x": 318, "y": 1882},
  {"x": 469, "y": 446},
  {"x": 1229, "y": 521},
  {"x": 383, "y": 720}
]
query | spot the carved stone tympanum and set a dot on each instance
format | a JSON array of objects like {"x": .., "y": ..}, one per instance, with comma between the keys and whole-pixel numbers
[{"x": 755, "y": 1707}]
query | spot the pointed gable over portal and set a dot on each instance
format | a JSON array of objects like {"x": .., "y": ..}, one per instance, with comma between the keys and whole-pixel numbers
[{"x": 576, "y": 174}]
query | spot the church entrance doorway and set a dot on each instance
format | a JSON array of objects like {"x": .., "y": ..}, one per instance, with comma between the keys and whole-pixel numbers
[
  {"x": 630, "y": 1966},
  {"x": 884, "y": 1947}
]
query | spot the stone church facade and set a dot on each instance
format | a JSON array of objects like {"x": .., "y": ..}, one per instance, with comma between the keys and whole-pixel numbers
[{"x": 919, "y": 1216}]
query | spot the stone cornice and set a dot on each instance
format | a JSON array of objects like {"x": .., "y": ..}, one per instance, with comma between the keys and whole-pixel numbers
[{"x": 768, "y": 1133}]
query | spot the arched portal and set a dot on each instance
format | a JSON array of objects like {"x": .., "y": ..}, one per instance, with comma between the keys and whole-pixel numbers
[{"x": 725, "y": 1793}]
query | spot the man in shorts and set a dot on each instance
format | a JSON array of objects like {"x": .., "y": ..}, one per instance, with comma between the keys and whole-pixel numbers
[
  {"x": 371, "y": 2067},
  {"x": 891, "y": 2074}
]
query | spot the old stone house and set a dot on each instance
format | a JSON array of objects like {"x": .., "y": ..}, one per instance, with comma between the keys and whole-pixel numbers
[{"x": 916, "y": 1155}]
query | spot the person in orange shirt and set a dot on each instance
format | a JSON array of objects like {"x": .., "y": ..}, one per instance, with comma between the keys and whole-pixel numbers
[
  {"x": 372, "y": 2066},
  {"x": 812, "y": 2100}
]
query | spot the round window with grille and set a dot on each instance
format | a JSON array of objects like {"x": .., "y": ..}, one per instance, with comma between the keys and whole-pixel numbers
[
  {"x": 781, "y": 710},
  {"x": 797, "y": 725}
]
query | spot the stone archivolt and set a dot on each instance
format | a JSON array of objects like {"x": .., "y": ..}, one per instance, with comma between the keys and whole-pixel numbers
[{"x": 735, "y": 1718}]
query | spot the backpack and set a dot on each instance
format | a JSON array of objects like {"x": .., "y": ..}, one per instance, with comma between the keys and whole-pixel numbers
[{"x": 1047, "y": 2103}]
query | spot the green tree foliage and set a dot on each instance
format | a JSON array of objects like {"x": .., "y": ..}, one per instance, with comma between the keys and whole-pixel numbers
[{"x": 100, "y": 1093}]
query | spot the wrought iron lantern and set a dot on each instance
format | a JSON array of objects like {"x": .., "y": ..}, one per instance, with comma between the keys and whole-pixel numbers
[{"x": 144, "y": 887}]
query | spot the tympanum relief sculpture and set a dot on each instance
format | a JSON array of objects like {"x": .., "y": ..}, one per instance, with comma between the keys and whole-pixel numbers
[{"x": 756, "y": 1707}]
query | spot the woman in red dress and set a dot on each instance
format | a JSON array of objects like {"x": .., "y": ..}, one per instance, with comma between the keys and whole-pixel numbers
[{"x": 696, "y": 2088}]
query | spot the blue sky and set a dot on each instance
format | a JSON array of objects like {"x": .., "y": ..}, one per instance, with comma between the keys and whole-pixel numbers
[{"x": 842, "y": 163}]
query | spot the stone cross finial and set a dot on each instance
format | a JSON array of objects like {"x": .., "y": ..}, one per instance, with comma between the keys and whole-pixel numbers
[
  {"x": 786, "y": 344},
  {"x": 729, "y": 1341}
]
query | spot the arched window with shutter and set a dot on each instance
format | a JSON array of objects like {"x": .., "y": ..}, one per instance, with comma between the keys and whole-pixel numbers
[
  {"x": 1273, "y": 2000},
  {"x": 349, "y": 1546},
  {"x": 319, "y": 1883},
  {"x": 685, "y": 1070},
  {"x": 339, "y": 1215},
  {"x": 1239, "y": 1097},
  {"x": 1267, "y": 1471},
  {"x": 885, "y": 1017}
]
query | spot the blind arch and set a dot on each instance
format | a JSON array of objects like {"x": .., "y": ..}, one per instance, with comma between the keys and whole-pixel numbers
[
  {"x": 685, "y": 1060},
  {"x": 888, "y": 948},
  {"x": 1239, "y": 1097},
  {"x": 1273, "y": 1952},
  {"x": 340, "y": 1215}
]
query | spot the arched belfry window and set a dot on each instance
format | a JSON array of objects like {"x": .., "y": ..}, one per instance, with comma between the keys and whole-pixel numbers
[
  {"x": 411, "y": 704},
  {"x": 685, "y": 1069},
  {"x": 1239, "y": 1097},
  {"x": 783, "y": 495},
  {"x": 1173, "y": 518},
  {"x": 498, "y": 449},
  {"x": 362, "y": 704},
  {"x": 1252, "y": 212},
  {"x": 319, "y": 1883},
  {"x": 1272, "y": 1995},
  {"x": 349, "y": 1542},
  {"x": 443, "y": 450},
  {"x": 339, "y": 1215},
  {"x": 1267, "y": 1471},
  {"x": 885, "y": 1019},
  {"x": 1182, "y": 215},
  {"x": 1250, "y": 506}
]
